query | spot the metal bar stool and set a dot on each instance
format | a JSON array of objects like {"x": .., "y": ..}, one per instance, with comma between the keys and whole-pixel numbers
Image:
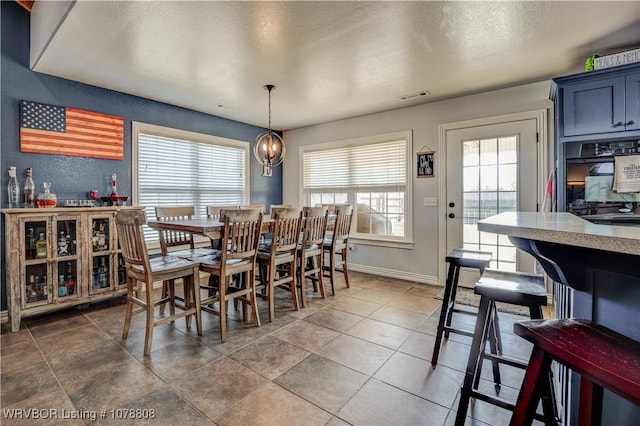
[
  {"x": 508, "y": 287},
  {"x": 458, "y": 258}
]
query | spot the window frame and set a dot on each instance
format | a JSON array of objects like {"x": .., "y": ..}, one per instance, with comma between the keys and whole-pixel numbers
[
  {"x": 138, "y": 128},
  {"x": 406, "y": 242}
]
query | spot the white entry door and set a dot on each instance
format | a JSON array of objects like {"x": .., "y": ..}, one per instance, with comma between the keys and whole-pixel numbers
[{"x": 490, "y": 169}]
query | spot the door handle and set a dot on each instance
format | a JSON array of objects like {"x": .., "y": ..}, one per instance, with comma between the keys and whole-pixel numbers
[
  {"x": 618, "y": 124},
  {"x": 452, "y": 215},
  {"x": 628, "y": 123}
]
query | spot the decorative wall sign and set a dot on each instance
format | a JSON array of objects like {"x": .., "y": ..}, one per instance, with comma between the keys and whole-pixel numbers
[
  {"x": 425, "y": 163},
  {"x": 48, "y": 129},
  {"x": 617, "y": 59}
]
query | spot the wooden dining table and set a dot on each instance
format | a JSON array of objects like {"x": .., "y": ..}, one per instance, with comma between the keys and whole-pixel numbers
[{"x": 209, "y": 227}]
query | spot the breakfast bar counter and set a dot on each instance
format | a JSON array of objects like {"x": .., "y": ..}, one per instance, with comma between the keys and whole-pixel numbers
[{"x": 601, "y": 265}]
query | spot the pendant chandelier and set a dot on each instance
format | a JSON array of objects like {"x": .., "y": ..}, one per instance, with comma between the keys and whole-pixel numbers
[{"x": 269, "y": 148}]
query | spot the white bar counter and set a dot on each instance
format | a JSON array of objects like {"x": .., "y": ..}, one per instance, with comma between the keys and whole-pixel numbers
[{"x": 564, "y": 228}]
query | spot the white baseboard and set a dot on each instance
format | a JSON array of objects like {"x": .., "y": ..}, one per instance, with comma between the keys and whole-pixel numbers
[{"x": 391, "y": 273}]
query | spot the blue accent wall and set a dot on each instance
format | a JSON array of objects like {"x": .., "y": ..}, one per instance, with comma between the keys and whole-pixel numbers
[{"x": 72, "y": 177}]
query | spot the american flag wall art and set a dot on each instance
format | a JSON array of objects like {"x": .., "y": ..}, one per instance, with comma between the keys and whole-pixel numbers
[{"x": 48, "y": 129}]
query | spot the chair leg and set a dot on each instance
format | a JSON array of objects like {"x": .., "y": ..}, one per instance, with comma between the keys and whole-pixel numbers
[
  {"x": 163, "y": 294},
  {"x": 590, "y": 407},
  {"x": 345, "y": 269},
  {"x": 292, "y": 286},
  {"x": 455, "y": 274},
  {"x": 254, "y": 297},
  {"x": 443, "y": 315},
  {"x": 194, "y": 288},
  {"x": 148, "y": 335},
  {"x": 271, "y": 291},
  {"x": 529, "y": 395},
  {"x": 317, "y": 260},
  {"x": 477, "y": 345},
  {"x": 332, "y": 271},
  {"x": 222, "y": 291},
  {"x": 128, "y": 311}
]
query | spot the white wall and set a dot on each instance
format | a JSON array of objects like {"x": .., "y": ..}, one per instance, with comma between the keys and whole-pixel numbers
[{"x": 420, "y": 263}]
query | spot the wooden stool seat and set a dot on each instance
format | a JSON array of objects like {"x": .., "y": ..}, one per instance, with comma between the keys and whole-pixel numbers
[
  {"x": 602, "y": 357},
  {"x": 507, "y": 287},
  {"x": 458, "y": 258}
]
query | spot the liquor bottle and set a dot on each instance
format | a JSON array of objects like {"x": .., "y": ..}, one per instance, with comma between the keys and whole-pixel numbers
[
  {"x": 102, "y": 274},
  {"x": 62, "y": 286},
  {"x": 41, "y": 247},
  {"x": 102, "y": 238},
  {"x": 122, "y": 272},
  {"x": 37, "y": 289},
  {"x": 30, "y": 244},
  {"x": 29, "y": 190},
  {"x": 114, "y": 190},
  {"x": 30, "y": 286},
  {"x": 13, "y": 188},
  {"x": 71, "y": 282},
  {"x": 63, "y": 247}
]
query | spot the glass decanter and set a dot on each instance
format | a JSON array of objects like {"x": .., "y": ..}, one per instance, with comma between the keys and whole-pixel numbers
[{"x": 46, "y": 198}]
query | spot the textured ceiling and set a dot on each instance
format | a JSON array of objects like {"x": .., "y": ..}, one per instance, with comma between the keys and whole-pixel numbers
[{"x": 329, "y": 60}]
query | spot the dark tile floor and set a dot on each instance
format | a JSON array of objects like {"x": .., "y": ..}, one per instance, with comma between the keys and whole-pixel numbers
[{"x": 360, "y": 357}]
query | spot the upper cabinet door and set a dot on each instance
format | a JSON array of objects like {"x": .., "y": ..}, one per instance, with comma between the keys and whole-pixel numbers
[
  {"x": 633, "y": 102},
  {"x": 594, "y": 107}
]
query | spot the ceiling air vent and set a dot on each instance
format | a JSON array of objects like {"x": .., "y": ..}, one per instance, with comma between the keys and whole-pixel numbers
[{"x": 414, "y": 95}]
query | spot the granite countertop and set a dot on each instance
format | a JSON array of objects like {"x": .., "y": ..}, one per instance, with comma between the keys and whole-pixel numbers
[{"x": 564, "y": 228}]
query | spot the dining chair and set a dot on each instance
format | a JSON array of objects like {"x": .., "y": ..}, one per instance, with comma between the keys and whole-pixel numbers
[
  {"x": 213, "y": 212},
  {"x": 277, "y": 260},
  {"x": 142, "y": 271},
  {"x": 310, "y": 250},
  {"x": 260, "y": 207},
  {"x": 279, "y": 206},
  {"x": 178, "y": 243},
  {"x": 335, "y": 246},
  {"x": 240, "y": 237}
]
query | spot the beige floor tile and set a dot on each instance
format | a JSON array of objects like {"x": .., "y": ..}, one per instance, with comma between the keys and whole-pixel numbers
[
  {"x": 358, "y": 354},
  {"x": 79, "y": 339},
  {"x": 378, "y": 403},
  {"x": 217, "y": 386},
  {"x": 322, "y": 382},
  {"x": 8, "y": 338},
  {"x": 306, "y": 335},
  {"x": 19, "y": 355},
  {"x": 60, "y": 415},
  {"x": 179, "y": 359},
  {"x": 45, "y": 325},
  {"x": 397, "y": 316},
  {"x": 390, "y": 336},
  {"x": 419, "y": 305},
  {"x": 25, "y": 383},
  {"x": 334, "y": 319},
  {"x": 356, "y": 306},
  {"x": 273, "y": 405},
  {"x": 414, "y": 375},
  {"x": 269, "y": 356},
  {"x": 372, "y": 295}
]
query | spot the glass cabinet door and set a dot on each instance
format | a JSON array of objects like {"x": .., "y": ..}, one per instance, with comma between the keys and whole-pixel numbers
[
  {"x": 36, "y": 275},
  {"x": 67, "y": 267},
  {"x": 101, "y": 269}
]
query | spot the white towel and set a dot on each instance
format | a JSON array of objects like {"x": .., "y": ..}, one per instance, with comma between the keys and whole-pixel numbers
[{"x": 626, "y": 177}]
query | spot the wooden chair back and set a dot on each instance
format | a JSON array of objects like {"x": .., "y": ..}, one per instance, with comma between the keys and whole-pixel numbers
[
  {"x": 129, "y": 224},
  {"x": 260, "y": 207},
  {"x": 213, "y": 212},
  {"x": 279, "y": 206},
  {"x": 286, "y": 230},
  {"x": 315, "y": 226},
  {"x": 170, "y": 239},
  {"x": 342, "y": 224},
  {"x": 241, "y": 234}
]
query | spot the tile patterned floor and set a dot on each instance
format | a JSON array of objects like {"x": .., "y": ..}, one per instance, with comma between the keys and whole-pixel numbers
[{"x": 361, "y": 357}]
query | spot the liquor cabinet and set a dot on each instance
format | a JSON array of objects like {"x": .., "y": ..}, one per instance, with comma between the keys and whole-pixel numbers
[{"x": 59, "y": 257}]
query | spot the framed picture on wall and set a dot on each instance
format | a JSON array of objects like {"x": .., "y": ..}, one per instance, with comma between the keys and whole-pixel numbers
[{"x": 425, "y": 164}]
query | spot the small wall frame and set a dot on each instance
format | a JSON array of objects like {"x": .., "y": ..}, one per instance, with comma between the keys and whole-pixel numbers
[{"x": 425, "y": 164}]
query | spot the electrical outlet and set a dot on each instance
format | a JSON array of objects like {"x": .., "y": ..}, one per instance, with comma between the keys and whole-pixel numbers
[{"x": 430, "y": 202}]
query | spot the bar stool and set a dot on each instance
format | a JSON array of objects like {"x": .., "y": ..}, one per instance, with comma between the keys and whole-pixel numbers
[
  {"x": 602, "y": 357},
  {"x": 458, "y": 258},
  {"x": 508, "y": 287}
]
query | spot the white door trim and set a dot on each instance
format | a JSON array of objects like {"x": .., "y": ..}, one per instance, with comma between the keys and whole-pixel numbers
[{"x": 539, "y": 115}]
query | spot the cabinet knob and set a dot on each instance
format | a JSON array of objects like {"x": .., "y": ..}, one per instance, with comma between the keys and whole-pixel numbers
[
  {"x": 618, "y": 124},
  {"x": 628, "y": 123},
  {"x": 452, "y": 215}
]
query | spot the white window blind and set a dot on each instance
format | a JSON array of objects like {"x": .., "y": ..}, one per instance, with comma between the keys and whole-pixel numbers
[
  {"x": 184, "y": 171},
  {"x": 372, "y": 174}
]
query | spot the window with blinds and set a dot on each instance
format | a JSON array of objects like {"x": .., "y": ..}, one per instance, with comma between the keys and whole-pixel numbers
[
  {"x": 370, "y": 173},
  {"x": 179, "y": 168}
]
